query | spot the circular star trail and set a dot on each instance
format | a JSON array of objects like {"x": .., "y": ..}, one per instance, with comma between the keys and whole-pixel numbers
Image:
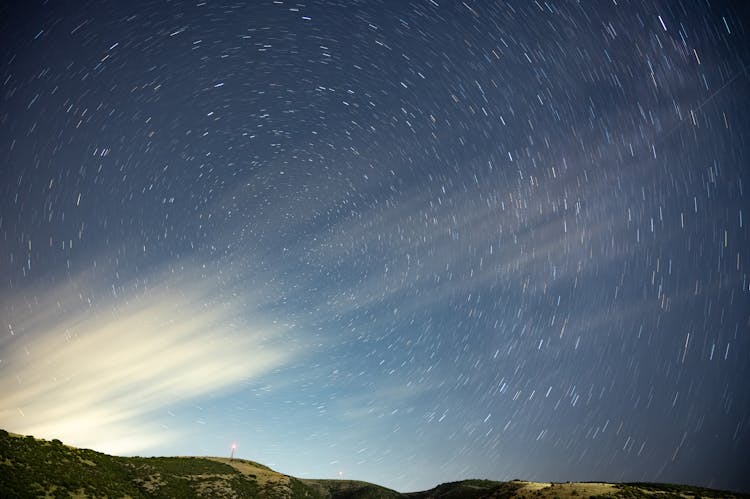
[{"x": 405, "y": 242}]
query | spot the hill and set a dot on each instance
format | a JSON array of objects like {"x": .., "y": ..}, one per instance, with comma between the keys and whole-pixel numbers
[{"x": 31, "y": 467}]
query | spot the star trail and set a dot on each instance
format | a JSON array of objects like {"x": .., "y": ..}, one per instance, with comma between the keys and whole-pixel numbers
[{"x": 407, "y": 242}]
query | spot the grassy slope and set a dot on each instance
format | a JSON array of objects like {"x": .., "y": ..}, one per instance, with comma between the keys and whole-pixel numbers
[
  {"x": 40, "y": 468},
  {"x": 31, "y": 467}
]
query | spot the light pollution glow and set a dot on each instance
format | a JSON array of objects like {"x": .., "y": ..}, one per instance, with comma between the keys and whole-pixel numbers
[{"x": 90, "y": 373}]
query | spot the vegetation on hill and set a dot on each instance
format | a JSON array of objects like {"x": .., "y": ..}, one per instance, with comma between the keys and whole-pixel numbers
[{"x": 38, "y": 468}]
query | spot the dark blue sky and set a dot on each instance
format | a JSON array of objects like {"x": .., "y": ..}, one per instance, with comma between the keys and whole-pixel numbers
[{"x": 405, "y": 241}]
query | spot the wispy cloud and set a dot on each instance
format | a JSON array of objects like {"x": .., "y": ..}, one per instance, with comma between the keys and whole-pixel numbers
[
  {"x": 90, "y": 370},
  {"x": 460, "y": 241}
]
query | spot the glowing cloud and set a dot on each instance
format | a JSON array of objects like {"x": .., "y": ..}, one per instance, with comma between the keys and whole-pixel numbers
[{"x": 89, "y": 370}]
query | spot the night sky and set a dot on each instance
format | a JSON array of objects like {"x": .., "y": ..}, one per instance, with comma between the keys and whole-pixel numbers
[{"x": 399, "y": 241}]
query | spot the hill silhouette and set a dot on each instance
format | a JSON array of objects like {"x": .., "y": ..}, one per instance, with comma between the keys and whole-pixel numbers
[{"x": 31, "y": 467}]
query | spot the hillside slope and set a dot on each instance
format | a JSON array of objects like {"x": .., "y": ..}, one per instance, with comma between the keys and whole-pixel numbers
[{"x": 38, "y": 468}]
